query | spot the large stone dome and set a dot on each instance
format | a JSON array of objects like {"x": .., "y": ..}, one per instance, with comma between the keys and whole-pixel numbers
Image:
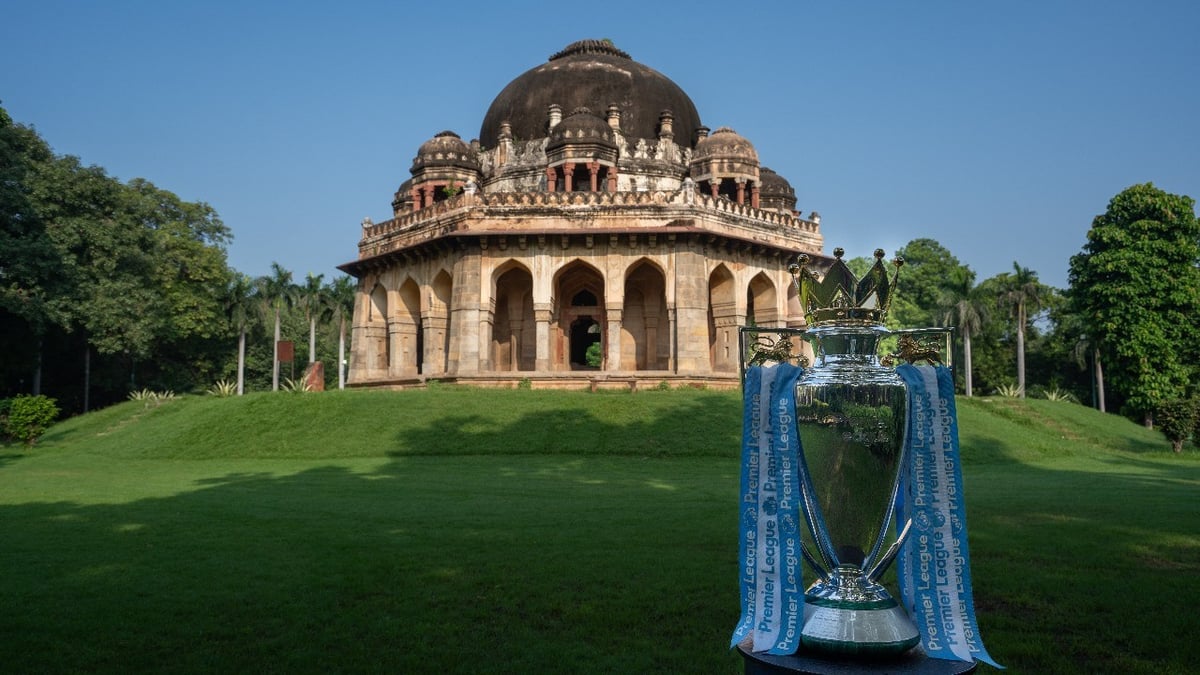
[{"x": 592, "y": 74}]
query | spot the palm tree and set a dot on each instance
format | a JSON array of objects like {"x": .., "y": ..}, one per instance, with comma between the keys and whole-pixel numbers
[
  {"x": 239, "y": 303},
  {"x": 961, "y": 307},
  {"x": 275, "y": 291},
  {"x": 1022, "y": 291},
  {"x": 340, "y": 296},
  {"x": 312, "y": 299}
]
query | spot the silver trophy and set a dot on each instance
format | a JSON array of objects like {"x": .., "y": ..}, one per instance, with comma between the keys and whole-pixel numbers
[{"x": 851, "y": 412}]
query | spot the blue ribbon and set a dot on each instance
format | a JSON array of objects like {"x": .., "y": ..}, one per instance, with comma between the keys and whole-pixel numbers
[
  {"x": 771, "y": 586},
  {"x": 934, "y": 567}
]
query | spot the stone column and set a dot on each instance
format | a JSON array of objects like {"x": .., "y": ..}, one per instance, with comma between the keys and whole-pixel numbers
[
  {"x": 741, "y": 190},
  {"x": 416, "y": 198},
  {"x": 715, "y": 184},
  {"x": 651, "y": 343},
  {"x": 754, "y": 196},
  {"x": 551, "y": 178},
  {"x": 594, "y": 170},
  {"x": 691, "y": 313},
  {"x": 464, "y": 315},
  {"x": 402, "y": 338},
  {"x": 612, "y": 350},
  {"x": 541, "y": 315},
  {"x": 568, "y": 176}
]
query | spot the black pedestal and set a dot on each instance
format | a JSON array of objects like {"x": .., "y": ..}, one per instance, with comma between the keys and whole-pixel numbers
[{"x": 915, "y": 662}]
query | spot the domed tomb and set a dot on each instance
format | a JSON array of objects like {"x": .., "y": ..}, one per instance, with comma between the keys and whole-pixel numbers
[{"x": 591, "y": 74}]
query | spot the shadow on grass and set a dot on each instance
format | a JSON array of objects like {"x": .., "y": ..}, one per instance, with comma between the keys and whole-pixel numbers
[{"x": 527, "y": 562}]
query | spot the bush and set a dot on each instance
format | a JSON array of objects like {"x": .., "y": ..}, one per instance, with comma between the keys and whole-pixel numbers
[
  {"x": 1177, "y": 419},
  {"x": 29, "y": 417},
  {"x": 594, "y": 355}
]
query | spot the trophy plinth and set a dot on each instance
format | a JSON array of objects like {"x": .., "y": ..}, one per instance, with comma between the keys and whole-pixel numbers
[{"x": 851, "y": 615}]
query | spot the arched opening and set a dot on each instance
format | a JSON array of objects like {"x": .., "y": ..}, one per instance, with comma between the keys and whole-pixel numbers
[
  {"x": 404, "y": 331},
  {"x": 580, "y": 312},
  {"x": 761, "y": 309},
  {"x": 513, "y": 328},
  {"x": 722, "y": 320},
  {"x": 645, "y": 341},
  {"x": 437, "y": 344}
]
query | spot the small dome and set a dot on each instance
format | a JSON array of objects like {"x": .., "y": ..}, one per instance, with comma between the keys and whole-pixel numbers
[
  {"x": 775, "y": 191},
  {"x": 582, "y": 127},
  {"x": 727, "y": 144},
  {"x": 445, "y": 149}
]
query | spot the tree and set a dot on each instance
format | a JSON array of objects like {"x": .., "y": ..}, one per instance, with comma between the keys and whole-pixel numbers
[
  {"x": 341, "y": 299},
  {"x": 239, "y": 304},
  {"x": 1177, "y": 419},
  {"x": 1022, "y": 292},
  {"x": 928, "y": 266},
  {"x": 961, "y": 307},
  {"x": 312, "y": 297},
  {"x": 1136, "y": 287},
  {"x": 275, "y": 292}
]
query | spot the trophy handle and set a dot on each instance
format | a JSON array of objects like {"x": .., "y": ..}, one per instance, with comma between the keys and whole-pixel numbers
[
  {"x": 812, "y": 561},
  {"x": 881, "y": 566}
]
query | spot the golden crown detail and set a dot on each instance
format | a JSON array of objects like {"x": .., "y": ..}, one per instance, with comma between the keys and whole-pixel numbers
[{"x": 840, "y": 298}]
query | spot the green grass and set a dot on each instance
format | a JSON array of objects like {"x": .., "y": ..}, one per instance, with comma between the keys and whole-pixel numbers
[{"x": 458, "y": 530}]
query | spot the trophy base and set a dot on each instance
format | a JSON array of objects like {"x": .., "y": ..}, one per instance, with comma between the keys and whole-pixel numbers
[{"x": 851, "y": 616}]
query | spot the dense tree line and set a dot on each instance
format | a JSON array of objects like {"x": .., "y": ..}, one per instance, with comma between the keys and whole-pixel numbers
[{"x": 108, "y": 286}]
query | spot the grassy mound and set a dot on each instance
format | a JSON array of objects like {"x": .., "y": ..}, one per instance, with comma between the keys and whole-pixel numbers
[{"x": 459, "y": 530}]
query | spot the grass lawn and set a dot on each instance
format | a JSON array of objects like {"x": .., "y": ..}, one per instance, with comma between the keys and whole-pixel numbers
[{"x": 459, "y": 530}]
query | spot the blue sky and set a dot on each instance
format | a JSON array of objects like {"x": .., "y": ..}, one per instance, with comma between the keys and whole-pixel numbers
[{"x": 998, "y": 129}]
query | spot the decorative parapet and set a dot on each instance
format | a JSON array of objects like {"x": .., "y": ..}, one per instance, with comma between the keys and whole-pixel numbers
[{"x": 443, "y": 215}]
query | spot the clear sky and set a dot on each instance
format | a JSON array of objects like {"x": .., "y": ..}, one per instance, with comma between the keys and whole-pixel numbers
[{"x": 999, "y": 129}]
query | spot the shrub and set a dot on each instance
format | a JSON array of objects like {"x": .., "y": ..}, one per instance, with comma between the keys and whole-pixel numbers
[
  {"x": 1177, "y": 419},
  {"x": 151, "y": 398},
  {"x": 594, "y": 355},
  {"x": 29, "y": 417},
  {"x": 222, "y": 389},
  {"x": 1008, "y": 390}
]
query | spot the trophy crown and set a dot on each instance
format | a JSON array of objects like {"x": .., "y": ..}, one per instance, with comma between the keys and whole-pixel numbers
[{"x": 840, "y": 298}]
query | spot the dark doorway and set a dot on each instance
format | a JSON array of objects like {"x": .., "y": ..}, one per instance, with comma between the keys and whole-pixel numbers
[{"x": 585, "y": 332}]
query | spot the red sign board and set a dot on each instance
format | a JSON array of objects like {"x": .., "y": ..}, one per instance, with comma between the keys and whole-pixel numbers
[{"x": 287, "y": 350}]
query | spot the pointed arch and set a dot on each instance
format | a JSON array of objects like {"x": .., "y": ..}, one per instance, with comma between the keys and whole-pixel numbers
[
  {"x": 761, "y": 305},
  {"x": 579, "y": 305},
  {"x": 437, "y": 324},
  {"x": 645, "y": 318},
  {"x": 514, "y": 330},
  {"x": 722, "y": 320}
]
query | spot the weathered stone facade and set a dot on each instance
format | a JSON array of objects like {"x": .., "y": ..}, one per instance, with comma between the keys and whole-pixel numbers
[{"x": 507, "y": 258}]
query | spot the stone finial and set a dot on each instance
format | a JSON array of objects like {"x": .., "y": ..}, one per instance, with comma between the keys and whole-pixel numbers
[
  {"x": 555, "y": 113},
  {"x": 506, "y": 130},
  {"x": 614, "y": 116},
  {"x": 701, "y": 132},
  {"x": 470, "y": 188},
  {"x": 815, "y": 217},
  {"x": 666, "y": 120},
  {"x": 367, "y": 222}
]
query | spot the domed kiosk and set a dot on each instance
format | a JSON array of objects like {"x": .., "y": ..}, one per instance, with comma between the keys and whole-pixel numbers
[{"x": 593, "y": 209}]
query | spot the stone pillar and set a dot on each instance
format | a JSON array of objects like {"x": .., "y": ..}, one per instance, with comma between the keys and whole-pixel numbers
[
  {"x": 612, "y": 350},
  {"x": 434, "y": 324},
  {"x": 464, "y": 315},
  {"x": 741, "y": 190},
  {"x": 715, "y": 184},
  {"x": 551, "y": 178},
  {"x": 754, "y": 196},
  {"x": 568, "y": 176},
  {"x": 594, "y": 170},
  {"x": 691, "y": 312},
  {"x": 402, "y": 343},
  {"x": 651, "y": 343},
  {"x": 416, "y": 198},
  {"x": 515, "y": 329},
  {"x": 612, "y": 178},
  {"x": 541, "y": 315},
  {"x": 555, "y": 114}
]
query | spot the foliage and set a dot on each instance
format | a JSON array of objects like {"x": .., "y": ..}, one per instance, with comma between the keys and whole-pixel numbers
[
  {"x": 928, "y": 268},
  {"x": 1177, "y": 419},
  {"x": 28, "y": 417},
  {"x": 223, "y": 388},
  {"x": 1053, "y": 393},
  {"x": 1136, "y": 289},
  {"x": 594, "y": 355},
  {"x": 296, "y": 386},
  {"x": 151, "y": 398},
  {"x": 1009, "y": 390}
]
